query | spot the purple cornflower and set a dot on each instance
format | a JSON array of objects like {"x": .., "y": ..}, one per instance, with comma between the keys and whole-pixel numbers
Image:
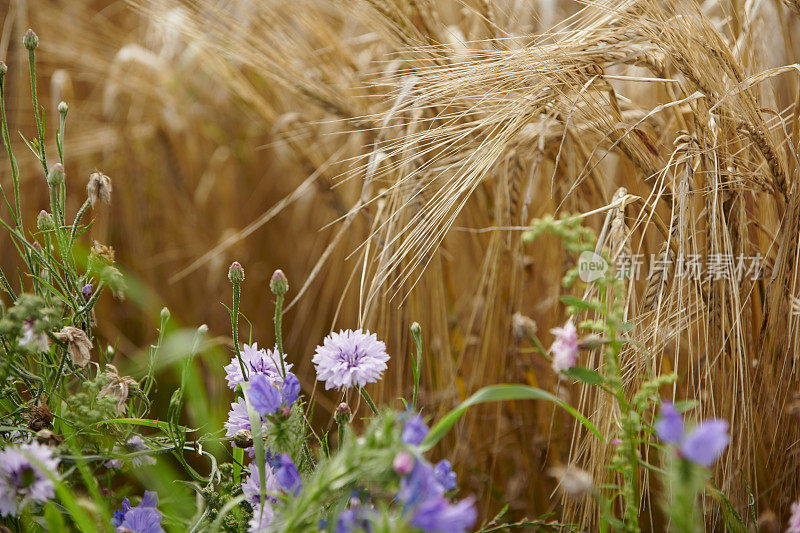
[
  {"x": 445, "y": 475},
  {"x": 256, "y": 361},
  {"x": 251, "y": 487},
  {"x": 350, "y": 359},
  {"x": 287, "y": 475},
  {"x": 23, "y": 478},
  {"x": 414, "y": 431},
  {"x": 703, "y": 445},
  {"x": 134, "y": 444},
  {"x": 290, "y": 390},
  {"x": 263, "y": 396},
  {"x": 144, "y": 518},
  {"x": 794, "y": 518},
  {"x": 262, "y": 518},
  {"x": 354, "y": 518},
  {"x": 669, "y": 426},
  {"x": 423, "y": 497},
  {"x": 441, "y": 516},
  {"x": 565, "y": 346},
  {"x": 237, "y": 418}
]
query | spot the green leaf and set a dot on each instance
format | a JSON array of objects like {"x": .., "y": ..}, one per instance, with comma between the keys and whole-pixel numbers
[
  {"x": 585, "y": 375},
  {"x": 499, "y": 393},
  {"x": 575, "y": 302},
  {"x": 686, "y": 405}
]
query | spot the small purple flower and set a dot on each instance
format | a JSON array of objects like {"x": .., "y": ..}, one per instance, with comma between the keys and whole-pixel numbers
[
  {"x": 144, "y": 518},
  {"x": 420, "y": 486},
  {"x": 350, "y": 359},
  {"x": 403, "y": 463},
  {"x": 794, "y": 518},
  {"x": 237, "y": 418},
  {"x": 290, "y": 390},
  {"x": 355, "y": 518},
  {"x": 414, "y": 431},
  {"x": 262, "y": 518},
  {"x": 87, "y": 291},
  {"x": 287, "y": 475},
  {"x": 670, "y": 425},
  {"x": 263, "y": 396},
  {"x": 443, "y": 471},
  {"x": 703, "y": 445},
  {"x": 256, "y": 361},
  {"x": 251, "y": 486},
  {"x": 441, "y": 516},
  {"x": 134, "y": 444},
  {"x": 22, "y": 479},
  {"x": 565, "y": 346},
  {"x": 706, "y": 442},
  {"x": 31, "y": 339}
]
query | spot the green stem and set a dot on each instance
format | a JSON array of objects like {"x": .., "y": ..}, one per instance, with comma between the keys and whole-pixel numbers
[
  {"x": 237, "y": 292},
  {"x": 37, "y": 116},
  {"x": 278, "y": 332},
  {"x": 367, "y": 397}
]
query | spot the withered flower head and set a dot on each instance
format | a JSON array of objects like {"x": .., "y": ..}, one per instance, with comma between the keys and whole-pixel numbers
[
  {"x": 39, "y": 417},
  {"x": 78, "y": 345},
  {"x": 523, "y": 327},
  {"x": 117, "y": 387},
  {"x": 573, "y": 481},
  {"x": 99, "y": 188},
  {"x": 101, "y": 251}
]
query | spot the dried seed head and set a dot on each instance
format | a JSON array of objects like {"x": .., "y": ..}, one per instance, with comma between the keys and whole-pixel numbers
[
  {"x": 45, "y": 221},
  {"x": 63, "y": 108},
  {"x": 243, "y": 439},
  {"x": 573, "y": 481},
  {"x": 117, "y": 387},
  {"x": 278, "y": 284},
  {"x": 78, "y": 345},
  {"x": 39, "y": 417},
  {"x": 98, "y": 188},
  {"x": 30, "y": 40},
  {"x": 523, "y": 327},
  {"x": 101, "y": 251},
  {"x": 236, "y": 273},
  {"x": 56, "y": 175},
  {"x": 48, "y": 438}
]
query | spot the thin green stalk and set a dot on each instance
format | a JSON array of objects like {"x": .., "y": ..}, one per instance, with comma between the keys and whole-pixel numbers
[
  {"x": 37, "y": 116},
  {"x": 12, "y": 160},
  {"x": 278, "y": 332},
  {"x": 237, "y": 292},
  {"x": 368, "y": 398}
]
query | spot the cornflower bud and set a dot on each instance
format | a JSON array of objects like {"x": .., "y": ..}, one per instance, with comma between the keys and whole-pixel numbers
[
  {"x": 45, "y": 221},
  {"x": 342, "y": 415},
  {"x": 30, "y": 40},
  {"x": 278, "y": 284},
  {"x": 63, "y": 108},
  {"x": 56, "y": 175},
  {"x": 236, "y": 273}
]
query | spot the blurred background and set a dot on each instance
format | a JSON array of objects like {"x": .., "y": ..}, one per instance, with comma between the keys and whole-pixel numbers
[{"x": 262, "y": 132}]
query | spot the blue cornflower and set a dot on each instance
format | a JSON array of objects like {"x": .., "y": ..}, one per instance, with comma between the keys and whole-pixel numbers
[
  {"x": 256, "y": 361},
  {"x": 290, "y": 390},
  {"x": 445, "y": 475},
  {"x": 144, "y": 518},
  {"x": 22, "y": 480},
  {"x": 414, "y": 431},
  {"x": 703, "y": 445},
  {"x": 263, "y": 396}
]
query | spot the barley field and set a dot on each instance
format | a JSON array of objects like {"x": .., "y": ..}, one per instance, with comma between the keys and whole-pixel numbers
[{"x": 400, "y": 265}]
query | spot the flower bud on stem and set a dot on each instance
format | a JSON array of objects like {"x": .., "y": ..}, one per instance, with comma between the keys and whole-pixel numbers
[
  {"x": 278, "y": 284},
  {"x": 236, "y": 277}
]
